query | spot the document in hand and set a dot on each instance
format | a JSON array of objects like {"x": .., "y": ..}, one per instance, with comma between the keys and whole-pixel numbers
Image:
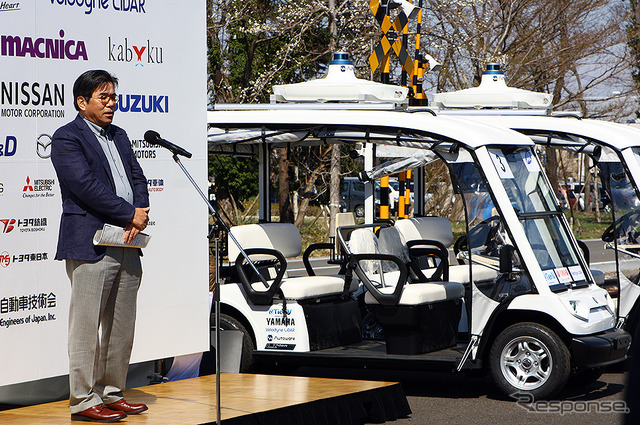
[{"x": 111, "y": 235}]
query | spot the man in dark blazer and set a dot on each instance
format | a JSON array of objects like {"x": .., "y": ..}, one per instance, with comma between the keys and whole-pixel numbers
[{"x": 101, "y": 182}]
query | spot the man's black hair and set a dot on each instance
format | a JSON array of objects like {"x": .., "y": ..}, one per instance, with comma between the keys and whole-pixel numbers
[{"x": 89, "y": 81}]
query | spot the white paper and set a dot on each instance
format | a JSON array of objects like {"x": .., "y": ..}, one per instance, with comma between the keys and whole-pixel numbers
[{"x": 111, "y": 235}]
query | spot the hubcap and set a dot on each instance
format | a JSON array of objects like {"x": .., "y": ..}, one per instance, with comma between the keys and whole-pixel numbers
[{"x": 526, "y": 363}]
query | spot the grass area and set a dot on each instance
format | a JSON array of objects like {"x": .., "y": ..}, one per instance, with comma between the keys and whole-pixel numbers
[
  {"x": 315, "y": 227},
  {"x": 585, "y": 226}
]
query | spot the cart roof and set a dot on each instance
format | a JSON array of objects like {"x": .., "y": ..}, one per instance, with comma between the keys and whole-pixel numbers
[
  {"x": 566, "y": 131},
  {"x": 243, "y": 129}
]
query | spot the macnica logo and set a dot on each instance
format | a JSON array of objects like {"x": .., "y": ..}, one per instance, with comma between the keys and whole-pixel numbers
[{"x": 44, "y": 48}]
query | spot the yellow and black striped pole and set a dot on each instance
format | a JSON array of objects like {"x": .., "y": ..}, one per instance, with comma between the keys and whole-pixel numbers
[
  {"x": 384, "y": 197},
  {"x": 407, "y": 194},
  {"x": 385, "y": 69},
  {"x": 405, "y": 45},
  {"x": 401, "y": 205},
  {"x": 419, "y": 96}
]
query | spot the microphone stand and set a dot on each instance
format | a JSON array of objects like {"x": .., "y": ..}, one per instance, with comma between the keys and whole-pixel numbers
[{"x": 217, "y": 279}]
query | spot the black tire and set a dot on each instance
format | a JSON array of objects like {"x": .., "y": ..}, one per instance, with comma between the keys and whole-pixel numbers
[
  {"x": 359, "y": 210},
  {"x": 529, "y": 358},
  {"x": 248, "y": 346}
]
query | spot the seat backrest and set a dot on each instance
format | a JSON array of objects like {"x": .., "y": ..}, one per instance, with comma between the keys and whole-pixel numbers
[
  {"x": 283, "y": 237},
  {"x": 364, "y": 241},
  {"x": 342, "y": 219},
  {"x": 391, "y": 242},
  {"x": 431, "y": 228}
]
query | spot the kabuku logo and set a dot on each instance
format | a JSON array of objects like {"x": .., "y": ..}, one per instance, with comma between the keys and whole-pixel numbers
[
  {"x": 43, "y": 48},
  {"x": 136, "y": 6},
  {"x": 143, "y": 103},
  {"x": 142, "y": 54}
]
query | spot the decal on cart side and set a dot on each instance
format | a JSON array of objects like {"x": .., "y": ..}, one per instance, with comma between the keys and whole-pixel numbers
[{"x": 280, "y": 329}]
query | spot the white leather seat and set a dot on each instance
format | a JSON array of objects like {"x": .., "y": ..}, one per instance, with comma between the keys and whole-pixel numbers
[
  {"x": 363, "y": 241},
  {"x": 423, "y": 293},
  {"x": 307, "y": 287},
  {"x": 285, "y": 238},
  {"x": 439, "y": 229}
]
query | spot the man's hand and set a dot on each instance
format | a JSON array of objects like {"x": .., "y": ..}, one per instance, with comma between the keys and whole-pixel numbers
[{"x": 137, "y": 224}]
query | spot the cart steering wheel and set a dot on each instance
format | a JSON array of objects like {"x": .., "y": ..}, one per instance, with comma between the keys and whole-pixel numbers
[
  {"x": 629, "y": 219},
  {"x": 486, "y": 231}
]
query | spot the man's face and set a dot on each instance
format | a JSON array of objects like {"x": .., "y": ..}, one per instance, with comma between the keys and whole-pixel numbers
[{"x": 99, "y": 109}]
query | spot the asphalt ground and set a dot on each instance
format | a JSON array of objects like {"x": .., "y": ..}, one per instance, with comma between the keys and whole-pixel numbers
[{"x": 452, "y": 399}]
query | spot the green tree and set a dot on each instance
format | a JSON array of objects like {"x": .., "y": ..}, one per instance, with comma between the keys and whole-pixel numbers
[{"x": 234, "y": 183}]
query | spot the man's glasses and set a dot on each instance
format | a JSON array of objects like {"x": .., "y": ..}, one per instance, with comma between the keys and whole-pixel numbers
[{"x": 106, "y": 98}]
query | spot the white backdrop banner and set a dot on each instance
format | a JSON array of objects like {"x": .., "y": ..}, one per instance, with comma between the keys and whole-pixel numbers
[{"x": 157, "y": 49}]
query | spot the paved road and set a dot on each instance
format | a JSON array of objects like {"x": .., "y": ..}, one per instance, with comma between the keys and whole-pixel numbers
[{"x": 452, "y": 399}]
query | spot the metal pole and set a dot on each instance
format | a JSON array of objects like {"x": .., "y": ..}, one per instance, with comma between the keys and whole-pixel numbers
[
  {"x": 217, "y": 305},
  {"x": 219, "y": 219}
]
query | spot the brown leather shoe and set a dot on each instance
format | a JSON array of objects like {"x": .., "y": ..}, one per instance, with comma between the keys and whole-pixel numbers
[
  {"x": 129, "y": 408},
  {"x": 98, "y": 413}
]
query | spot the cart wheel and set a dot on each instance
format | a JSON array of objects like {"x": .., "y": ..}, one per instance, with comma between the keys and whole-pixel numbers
[
  {"x": 229, "y": 323},
  {"x": 529, "y": 358}
]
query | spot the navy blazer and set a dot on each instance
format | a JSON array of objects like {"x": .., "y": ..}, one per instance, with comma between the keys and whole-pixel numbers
[{"x": 88, "y": 191}]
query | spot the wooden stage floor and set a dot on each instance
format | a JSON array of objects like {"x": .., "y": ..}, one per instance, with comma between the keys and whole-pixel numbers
[{"x": 245, "y": 399}]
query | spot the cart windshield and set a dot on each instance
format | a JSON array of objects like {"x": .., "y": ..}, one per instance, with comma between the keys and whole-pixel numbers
[
  {"x": 541, "y": 218},
  {"x": 626, "y": 205}
]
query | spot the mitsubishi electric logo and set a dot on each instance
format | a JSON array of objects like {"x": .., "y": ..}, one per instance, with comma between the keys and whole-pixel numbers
[{"x": 38, "y": 188}]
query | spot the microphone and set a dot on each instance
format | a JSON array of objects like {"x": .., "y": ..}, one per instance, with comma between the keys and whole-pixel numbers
[{"x": 152, "y": 137}]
